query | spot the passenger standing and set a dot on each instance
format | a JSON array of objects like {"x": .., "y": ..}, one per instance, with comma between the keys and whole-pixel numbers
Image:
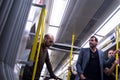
[
  {"x": 91, "y": 61},
  {"x": 43, "y": 58},
  {"x": 109, "y": 71}
]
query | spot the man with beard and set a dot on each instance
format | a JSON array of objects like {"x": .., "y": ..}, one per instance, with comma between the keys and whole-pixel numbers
[{"x": 90, "y": 63}]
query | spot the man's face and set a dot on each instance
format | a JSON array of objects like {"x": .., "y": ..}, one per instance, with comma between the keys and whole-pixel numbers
[
  {"x": 110, "y": 53},
  {"x": 92, "y": 42},
  {"x": 49, "y": 41}
]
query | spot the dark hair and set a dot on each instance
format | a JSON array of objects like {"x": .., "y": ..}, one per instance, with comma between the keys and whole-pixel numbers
[
  {"x": 46, "y": 36},
  {"x": 95, "y": 38}
]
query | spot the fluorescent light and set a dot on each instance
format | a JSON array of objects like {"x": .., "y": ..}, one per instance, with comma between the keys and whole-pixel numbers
[
  {"x": 58, "y": 11},
  {"x": 111, "y": 22},
  {"x": 53, "y": 31}
]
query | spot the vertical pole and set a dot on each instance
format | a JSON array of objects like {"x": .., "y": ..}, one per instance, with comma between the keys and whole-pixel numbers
[
  {"x": 32, "y": 54},
  {"x": 117, "y": 47},
  {"x": 70, "y": 58},
  {"x": 41, "y": 37}
]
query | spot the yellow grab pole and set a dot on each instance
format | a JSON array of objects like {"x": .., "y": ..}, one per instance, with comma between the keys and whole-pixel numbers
[
  {"x": 32, "y": 54},
  {"x": 117, "y": 47},
  {"x": 41, "y": 37},
  {"x": 70, "y": 57}
]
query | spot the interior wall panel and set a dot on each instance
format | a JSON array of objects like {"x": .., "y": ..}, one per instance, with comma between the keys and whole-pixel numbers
[
  {"x": 5, "y": 7},
  {"x": 11, "y": 33}
]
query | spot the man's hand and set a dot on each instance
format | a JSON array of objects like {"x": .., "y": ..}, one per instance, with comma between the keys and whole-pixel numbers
[
  {"x": 116, "y": 61},
  {"x": 82, "y": 77},
  {"x": 116, "y": 51}
]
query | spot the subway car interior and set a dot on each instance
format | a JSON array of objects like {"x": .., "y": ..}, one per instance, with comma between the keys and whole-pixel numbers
[{"x": 71, "y": 22}]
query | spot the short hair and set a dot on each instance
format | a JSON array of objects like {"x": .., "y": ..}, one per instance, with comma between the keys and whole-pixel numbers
[
  {"x": 96, "y": 39},
  {"x": 46, "y": 36}
]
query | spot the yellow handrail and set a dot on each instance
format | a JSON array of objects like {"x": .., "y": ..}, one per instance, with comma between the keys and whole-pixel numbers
[
  {"x": 117, "y": 47},
  {"x": 43, "y": 13},
  {"x": 33, "y": 50},
  {"x": 70, "y": 57}
]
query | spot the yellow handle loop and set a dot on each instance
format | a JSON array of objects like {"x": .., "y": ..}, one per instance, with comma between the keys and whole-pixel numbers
[
  {"x": 70, "y": 57},
  {"x": 43, "y": 13}
]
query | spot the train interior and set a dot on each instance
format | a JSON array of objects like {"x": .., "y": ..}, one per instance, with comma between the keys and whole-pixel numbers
[{"x": 64, "y": 18}]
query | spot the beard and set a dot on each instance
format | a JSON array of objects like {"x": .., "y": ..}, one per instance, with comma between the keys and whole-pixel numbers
[{"x": 92, "y": 46}]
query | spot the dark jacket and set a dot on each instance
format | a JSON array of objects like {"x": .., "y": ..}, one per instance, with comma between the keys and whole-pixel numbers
[
  {"x": 43, "y": 58},
  {"x": 83, "y": 59}
]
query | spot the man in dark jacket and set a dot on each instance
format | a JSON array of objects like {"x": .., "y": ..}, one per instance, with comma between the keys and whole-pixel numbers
[
  {"x": 43, "y": 58},
  {"x": 90, "y": 62}
]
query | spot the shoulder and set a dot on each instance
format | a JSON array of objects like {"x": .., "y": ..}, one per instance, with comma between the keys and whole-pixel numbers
[
  {"x": 84, "y": 49},
  {"x": 100, "y": 52}
]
